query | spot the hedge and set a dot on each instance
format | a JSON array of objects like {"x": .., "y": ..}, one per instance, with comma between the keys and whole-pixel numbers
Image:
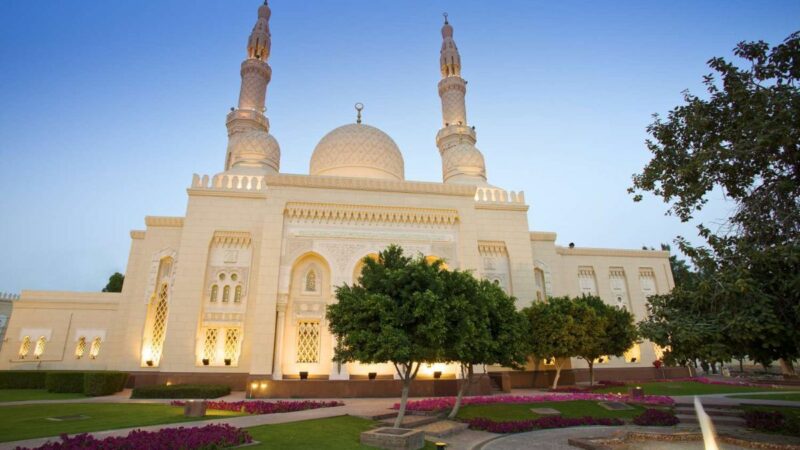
[
  {"x": 22, "y": 379},
  {"x": 64, "y": 382},
  {"x": 182, "y": 391},
  {"x": 103, "y": 383}
]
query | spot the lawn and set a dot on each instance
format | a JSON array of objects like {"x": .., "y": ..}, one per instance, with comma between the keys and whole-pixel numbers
[
  {"x": 337, "y": 433},
  {"x": 687, "y": 388},
  {"x": 786, "y": 396},
  {"x": 522, "y": 411},
  {"x": 31, "y": 421},
  {"x": 18, "y": 395}
]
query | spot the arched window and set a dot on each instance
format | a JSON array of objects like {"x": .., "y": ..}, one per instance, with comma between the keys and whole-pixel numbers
[
  {"x": 25, "y": 347},
  {"x": 38, "y": 351},
  {"x": 311, "y": 281},
  {"x": 237, "y": 294},
  {"x": 214, "y": 292},
  {"x": 80, "y": 347},
  {"x": 94, "y": 350},
  {"x": 308, "y": 341},
  {"x": 226, "y": 294}
]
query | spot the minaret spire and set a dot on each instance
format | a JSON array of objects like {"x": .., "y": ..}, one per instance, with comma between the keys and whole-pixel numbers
[
  {"x": 251, "y": 149},
  {"x": 462, "y": 162}
]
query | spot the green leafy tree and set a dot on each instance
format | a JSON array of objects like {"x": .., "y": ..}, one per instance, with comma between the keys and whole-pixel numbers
[
  {"x": 556, "y": 330},
  {"x": 610, "y": 331},
  {"x": 115, "y": 283},
  {"x": 742, "y": 139},
  {"x": 484, "y": 328},
  {"x": 396, "y": 313}
]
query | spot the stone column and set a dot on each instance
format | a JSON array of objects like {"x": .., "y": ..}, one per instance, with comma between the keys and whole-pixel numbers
[{"x": 277, "y": 372}]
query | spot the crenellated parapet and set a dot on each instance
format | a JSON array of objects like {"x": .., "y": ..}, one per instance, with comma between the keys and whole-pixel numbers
[
  {"x": 229, "y": 183},
  {"x": 497, "y": 195},
  {"x": 9, "y": 296}
]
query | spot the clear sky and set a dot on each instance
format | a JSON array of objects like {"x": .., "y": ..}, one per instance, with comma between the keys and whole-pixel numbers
[{"x": 108, "y": 107}]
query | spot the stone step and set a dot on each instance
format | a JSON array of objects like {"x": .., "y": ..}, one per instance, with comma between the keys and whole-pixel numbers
[
  {"x": 713, "y": 412},
  {"x": 381, "y": 415},
  {"x": 722, "y": 420},
  {"x": 443, "y": 428},
  {"x": 412, "y": 421},
  {"x": 690, "y": 404}
]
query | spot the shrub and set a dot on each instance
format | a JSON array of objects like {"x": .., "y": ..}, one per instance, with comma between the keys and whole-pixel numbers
[
  {"x": 22, "y": 379},
  {"x": 611, "y": 383},
  {"x": 773, "y": 421},
  {"x": 103, "y": 383},
  {"x": 182, "y": 391},
  {"x": 263, "y": 407},
  {"x": 656, "y": 417},
  {"x": 64, "y": 382},
  {"x": 519, "y": 426},
  {"x": 206, "y": 437}
]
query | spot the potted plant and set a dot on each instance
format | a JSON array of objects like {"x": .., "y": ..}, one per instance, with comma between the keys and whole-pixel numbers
[
  {"x": 372, "y": 375},
  {"x": 437, "y": 374},
  {"x": 303, "y": 375},
  {"x": 206, "y": 361},
  {"x": 227, "y": 361}
]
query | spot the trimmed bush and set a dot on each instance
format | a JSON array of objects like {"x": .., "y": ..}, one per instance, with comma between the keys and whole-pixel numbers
[
  {"x": 96, "y": 384},
  {"x": 656, "y": 418},
  {"x": 519, "y": 426},
  {"x": 64, "y": 382},
  {"x": 182, "y": 391},
  {"x": 22, "y": 379}
]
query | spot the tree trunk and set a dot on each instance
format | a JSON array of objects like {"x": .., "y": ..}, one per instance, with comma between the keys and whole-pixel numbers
[
  {"x": 741, "y": 365},
  {"x": 787, "y": 368},
  {"x": 591, "y": 372},
  {"x": 463, "y": 390},
  {"x": 558, "y": 374},
  {"x": 398, "y": 422}
]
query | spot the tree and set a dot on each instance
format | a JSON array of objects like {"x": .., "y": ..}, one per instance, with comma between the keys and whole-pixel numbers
[
  {"x": 396, "y": 313},
  {"x": 555, "y": 330},
  {"x": 743, "y": 140},
  {"x": 115, "y": 283},
  {"x": 609, "y": 330},
  {"x": 484, "y": 328}
]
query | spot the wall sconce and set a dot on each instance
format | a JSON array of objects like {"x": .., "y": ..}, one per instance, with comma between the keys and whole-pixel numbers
[{"x": 263, "y": 385}]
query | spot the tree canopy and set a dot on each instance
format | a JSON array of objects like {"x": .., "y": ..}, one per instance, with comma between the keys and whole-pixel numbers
[{"x": 115, "y": 282}]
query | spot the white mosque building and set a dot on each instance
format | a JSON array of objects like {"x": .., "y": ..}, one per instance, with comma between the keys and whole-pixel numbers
[{"x": 235, "y": 290}]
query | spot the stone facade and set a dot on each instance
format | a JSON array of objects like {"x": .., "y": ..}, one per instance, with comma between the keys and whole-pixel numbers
[{"x": 235, "y": 291}]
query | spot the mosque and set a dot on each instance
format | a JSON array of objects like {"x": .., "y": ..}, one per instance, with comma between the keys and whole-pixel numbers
[{"x": 235, "y": 290}]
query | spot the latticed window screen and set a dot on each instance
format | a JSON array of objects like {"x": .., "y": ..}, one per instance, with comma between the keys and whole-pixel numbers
[
  {"x": 25, "y": 347},
  {"x": 40, "y": 345},
  {"x": 80, "y": 347},
  {"x": 214, "y": 292},
  {"x": 659, "y": 351},
  {"x": 94, "y": 350},
  {"x": 210, "y": 343},
  {"x": 232, "y": 344},
  {"x": 159, "y": 323},
  {"x": 311, "y": 281},
  {"x": 308, "y": 341}
]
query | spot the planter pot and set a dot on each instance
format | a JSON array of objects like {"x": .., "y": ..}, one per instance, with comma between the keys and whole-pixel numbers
[
  {"x": 227, "y": 361},
  {"x": 303, "y": 375},
  {"x": 437, "y": 374},
  {"x": 149, "y": 363},
  {"x": 195, "y": 409},
  {"x": 206, "y": 361},
  {"x": 394, "y": 438},
  {"x": 372, "y": 375}
]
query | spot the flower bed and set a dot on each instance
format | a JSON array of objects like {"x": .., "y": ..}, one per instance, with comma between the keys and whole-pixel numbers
[
  {"x": 519, "y": 426},
  {"x": 263, "y": 407},
  {"x": 773, "y": 422},
  {"x": 202, "y": 438},
  {"x": 600, "y": 385},
  {"x": 657, "y": 418},
  {"x": 443, "y": 403}
]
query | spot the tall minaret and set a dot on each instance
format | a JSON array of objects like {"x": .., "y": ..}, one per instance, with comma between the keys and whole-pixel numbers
[
  {"x": 251, "y": 149},
  {"x": 462, "y": 162}
]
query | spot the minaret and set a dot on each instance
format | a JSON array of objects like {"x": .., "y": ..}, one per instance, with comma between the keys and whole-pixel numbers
[
  {"x": 462, "y": 162},
  {"x": 251, "y": 149}
]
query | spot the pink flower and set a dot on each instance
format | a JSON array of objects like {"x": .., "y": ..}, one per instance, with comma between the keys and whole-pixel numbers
[{"x": 442, "y": 403}]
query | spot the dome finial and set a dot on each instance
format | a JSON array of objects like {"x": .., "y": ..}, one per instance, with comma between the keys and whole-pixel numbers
[
  {"x": 359, "y": 107},
  {"x": 445, "y": 18}
]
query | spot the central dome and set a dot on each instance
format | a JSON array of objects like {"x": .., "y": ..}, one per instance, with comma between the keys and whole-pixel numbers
[{"x": 358, "y": 150}]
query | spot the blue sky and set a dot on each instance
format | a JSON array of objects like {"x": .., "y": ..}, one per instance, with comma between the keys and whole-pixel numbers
[{"x": 108, "y": 107}]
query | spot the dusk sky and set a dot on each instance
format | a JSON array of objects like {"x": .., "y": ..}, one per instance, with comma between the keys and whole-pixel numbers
[{"x": 107, "y": 108}]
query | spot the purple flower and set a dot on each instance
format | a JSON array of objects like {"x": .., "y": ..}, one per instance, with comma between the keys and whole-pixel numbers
[
  {"x": 656, "y": 417},
  {"x": 519, "y": 426},
  {"x": 264, "y": 407},
  {"x": 442, "y": 403}
]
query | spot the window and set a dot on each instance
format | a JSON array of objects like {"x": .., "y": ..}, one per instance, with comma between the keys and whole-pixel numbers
[
  {"x": 659, "y": 351},
  {"x": 647, "y": 279},
  {"x": 538, "y": 276},
  {"x": 25, "y": 347},
  {"x": 634, "y": 354},
  {"x": 232, "y": 344},
  {"x": 210, "y": 344},
  {"x": 616, "y": 278},
  {"x": 311, "y": 281},
  {"x": 226, "y": 294},
  {"x": 80, "y": 347},
  {"x": 237, "y": 294},
  {"x": 94, "y": 350},
  {"x": 40, "y": 345},
  {"x": 156, "y": 325},
  {"x": 586, "y": 281},
  {"x": 551, "y": 361},
  {"x": 308, "y": 341},
  {"x": 605, "y": 359},
  {"x": 234, "y": 277},
  {"x": 214, "y": 293}
]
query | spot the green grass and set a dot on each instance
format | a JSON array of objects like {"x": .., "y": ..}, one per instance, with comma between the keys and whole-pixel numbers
[
  {"x": 687, "y": 388},
  {"x": 30, "y": 421},
  {"x": 522, "y": 411},
  {"x": 787, "y": 396},
  {"x": 18, "y": 395},
  {"x": 336, "y": 433}
]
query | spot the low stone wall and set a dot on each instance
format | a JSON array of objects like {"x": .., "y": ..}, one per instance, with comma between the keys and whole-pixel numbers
[{"x": 237, "y": 381}]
